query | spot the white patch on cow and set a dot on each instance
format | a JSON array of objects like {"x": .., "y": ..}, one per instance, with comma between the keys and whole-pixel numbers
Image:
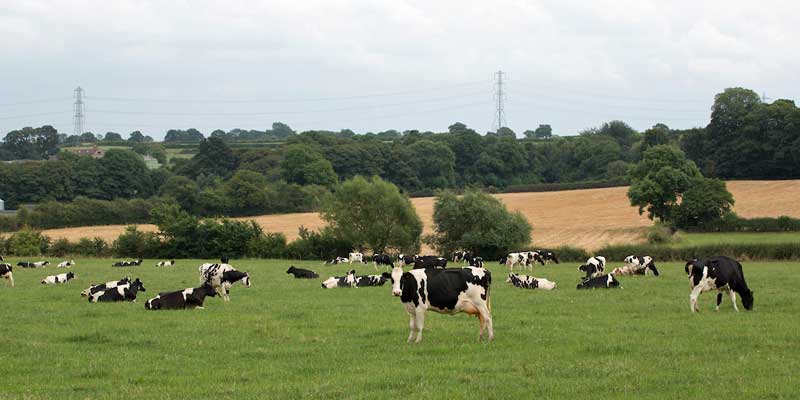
[
  {"x": 330, "y": 283},
  {"x": 545, "y": 284}
]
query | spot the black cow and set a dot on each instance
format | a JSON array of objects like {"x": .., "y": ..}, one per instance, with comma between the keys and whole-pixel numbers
[
  {"x": 547, "y": 256},
  {"x": 426, "y": 262},
  {"x": 7, "y": 272},
  {"x": 599, "y": 282},
  {"x": 371, "y": 280},
  {"x": 181, "y": 299},
  {"x": 718, "y": 273},
  {"x": 300, "y": 273},
  {"x": 382, "y": 259},
  {"x": 446, "y": 291},
  {"x": 104, "y": 286},
  {"x": 126, "y": 292}
]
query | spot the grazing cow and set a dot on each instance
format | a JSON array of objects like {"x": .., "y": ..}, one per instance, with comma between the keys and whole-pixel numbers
[
  {"x": 37, "y": 264},
  {"x": 222, "y": 277},
  {"x": 56, "y": 279},
  {"x": 126, "y": 292},
  {"x": 594, "y": 267},
  {"x": 547, "y": 256},
  {"x": 300, "y": 273},
  {"x": 718, "y": 273},
  {"x": 404, "y": 260},
  {"x": 530, "y": 282},
  {"x": 181, "y": 299},
  {"x": 523, "y": 259},
  {"x": 446, "y": 291},
  {"x": 7, "y": 272},
  {"x": 108, "y": 285},
  {"x": 66, "y": 264},
  {"x": 643, "y": 263},
  {"x": 425, "y": 262},
  {"x": 356, "y": 257},
  {"x": 370, "y": 280},
  {"x": 347, "y": 281},
  {"x": 381, "y": 259},
  {"x": 126, "y": 263},
  {"x": 603, "y": 281},
  {"x": 170, "y": 263}
]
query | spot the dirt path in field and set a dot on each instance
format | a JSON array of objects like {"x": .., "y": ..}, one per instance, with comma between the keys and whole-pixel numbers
[{"x": 588, "y": 218}]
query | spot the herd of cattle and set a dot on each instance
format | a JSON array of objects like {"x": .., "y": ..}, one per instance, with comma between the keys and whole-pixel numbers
[{"x": 428, "y": 285}]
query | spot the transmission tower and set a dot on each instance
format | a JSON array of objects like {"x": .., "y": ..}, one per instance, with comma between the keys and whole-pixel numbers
[
  {"x": 499, "y": 96},
  {"x": 77, "y": 117}
]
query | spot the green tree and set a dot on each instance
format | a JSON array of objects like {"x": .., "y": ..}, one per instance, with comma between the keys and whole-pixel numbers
[
  {"x": 372, "y": 213},
  {"x": 707, "y": 200},
  {"x": 304, "y": 165},
  {"x": 434, "y": 163},
  {"x": 248, "y": 192},
  {"x": 32, "y": 143},
  {"x": 477, "y": 222},
  {"x": 183, "y": 190},
  {"x": 543, "y": 132},
  {"x": 88, "y": 137},
  {"x": 660, "y": 179},
  {"x": 214, "y": 157},
  {"x": 123, "y": 174},
  {"x": 112, "y": 137}
]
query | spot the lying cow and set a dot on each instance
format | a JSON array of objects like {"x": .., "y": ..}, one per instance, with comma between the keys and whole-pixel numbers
[
  {"x": 594, "y": 267},
  {"x": 300, "y": 273},
  {"x": 718, "y": 273},
  {"x": 222, "y": 276},
  {"x": 347, "y": 281},
  {"x": 337, "y": 260},
  {"x": 425, "y": 262},
  {"x": 66, "y": 264},
  {"x": 108, "y": 285},
  {"x": 126, "y": 292},
  {"x": 599, "y": 282},
  {"x": 181, "y": 299},
  {"x": 56, "y": 279},
  {"x": 371, "y": 280},
  {"x": 446, "y": 291},
  {"x": 7, "y": 272},
  {"x": 530, "y": 282},
  {"x": 170, "y": 263},
  {"x": 126, "y": 263},
  {"x": 382, "y": 259},
  {"x": 643, "y": 263},
  {"x": 37, "y": 264}
]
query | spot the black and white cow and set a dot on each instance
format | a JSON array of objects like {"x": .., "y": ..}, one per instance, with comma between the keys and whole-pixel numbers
[
  {"x": 425, "y": 262},
  {"x": 446, "y": 291},
  {"x": 643, "y": 263},
  {"x": 126, "y": 292},
  {"x": 405, "y": 260},
  {"x": 126, "y": 263},
  {"x": 594, "y": 267},
  {"x": 337, "y": 260},
  {"x": 356, "y": 257},
  {"x": 66, "y": 264},
  {"x": 347, "y": 281},
  {"x": 222, "y": 276},
  {"x": 170, "y": 263},
  {"x": 108, "y": 285},
  {"x": 476, "y": 262},
  {"x": 523, "y": 259},
  {"x": 530, "y": 282},
  {"x": 599, "y": 282},
  {"x": 37, "y": 264},
  {"x": 547, "y": 256},
  {"x": 382, "y": 259},
  {"x": 718, "y": 273},
  {"x": 463, "y": 255},
  {"x": 181, "y": 299},
  {"x": 60, "y": 278},
  {"x": 7, "y": 272},
  {"x": 300, "y": 273},
  {"x": 371, "y": 280}
]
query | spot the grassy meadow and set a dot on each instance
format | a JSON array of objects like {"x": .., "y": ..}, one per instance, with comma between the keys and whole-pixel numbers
[
  {"x": 700, "y": 239},
  {"x": 285, "y": 338}
]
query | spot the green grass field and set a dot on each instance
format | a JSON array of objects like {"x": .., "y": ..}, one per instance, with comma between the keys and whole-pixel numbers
[
  {"x": 699, "y": 239},
  {"x": 285, "y": 339}
]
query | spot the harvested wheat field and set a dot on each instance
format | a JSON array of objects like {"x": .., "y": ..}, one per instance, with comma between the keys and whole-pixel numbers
[{"x": 589, "y": 218}]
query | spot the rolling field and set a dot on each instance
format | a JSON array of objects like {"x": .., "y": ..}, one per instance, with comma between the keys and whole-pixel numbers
[
  {"x": 588, "y": 218},
  {"x": 699, "y": 239},
  {"x": 285, "y": 338}
]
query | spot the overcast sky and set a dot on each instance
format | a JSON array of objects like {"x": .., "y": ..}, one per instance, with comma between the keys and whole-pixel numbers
[{"x": 373, "y": 66}]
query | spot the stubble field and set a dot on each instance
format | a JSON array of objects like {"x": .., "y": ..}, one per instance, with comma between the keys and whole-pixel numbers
[{"x": 286, "y": 338}]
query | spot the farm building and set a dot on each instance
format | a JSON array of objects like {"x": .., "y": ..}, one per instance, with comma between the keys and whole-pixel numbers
[{"x": 93, "y": 151}]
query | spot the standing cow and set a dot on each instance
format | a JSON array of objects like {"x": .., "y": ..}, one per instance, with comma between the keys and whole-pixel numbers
[
  {"x": 356, "y": 257},
  {"x": 718, "y": 273},
  {"x": 222, "y": 276},
  {"x": 642, "y": 263},
  {"x": 6, "y": 271},
  {"x": 594, "y": 267},
  {"x": 446, "y": 291},
  {"x": 382, "y": 259}
]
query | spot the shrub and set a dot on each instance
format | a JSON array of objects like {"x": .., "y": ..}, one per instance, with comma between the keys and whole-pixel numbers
[
  {"x": 776, "y": 251},
  {"x": 733, "y": 223},
  {"x": 27, "y": 243},
  {"x": 96, "y": 247},
  {"x": 268, "y": 245},
  {"x": 135, "y": 243},
  {"x": 660, "y": 234},
  {"x": 60, "y": 248},
  {"x": 569, "y": 254},
  {"x": 323, "y": 245}
]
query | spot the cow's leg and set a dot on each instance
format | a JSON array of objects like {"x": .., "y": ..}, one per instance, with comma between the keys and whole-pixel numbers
[
  {"x": 486, "y": 320},
  {"x": 420, "y": 322},
  {"x": 11, "y": 278},
  {"x": 733, "y": 299},
  {"x": 719, "y": 301},
  {"x": 375, "y": 264},
  {"x": 412, "y": 327},
  {"x": 693, "y": 299}
]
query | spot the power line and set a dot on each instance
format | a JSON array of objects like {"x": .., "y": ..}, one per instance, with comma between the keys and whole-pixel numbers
[
  {"x": 34, "y": 114},
  {"x": 39, "y": 101}
]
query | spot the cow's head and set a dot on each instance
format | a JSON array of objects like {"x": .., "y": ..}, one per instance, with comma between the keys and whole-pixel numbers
[
  {"x": 70, "y": 275},
  {"x": 747, "y": 299},
  {"x": 503, "y": 260},
  {"x": 138, "y": 286},
  {"x": 246, "y": 279},
  {"x": 629, "y": 259},
  {"x": 291, "y": 269},
  {"x": 397, "y": 273},
  {"x": 589, "y": 269},
  {"x": 207, "y": 290},
  {"x": 694, "y": 271}
]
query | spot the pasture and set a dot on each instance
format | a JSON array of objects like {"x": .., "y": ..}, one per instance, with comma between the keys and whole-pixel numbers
[
  {"x": 700, "y": 239},
  {"x": 286, "y": 338}
]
